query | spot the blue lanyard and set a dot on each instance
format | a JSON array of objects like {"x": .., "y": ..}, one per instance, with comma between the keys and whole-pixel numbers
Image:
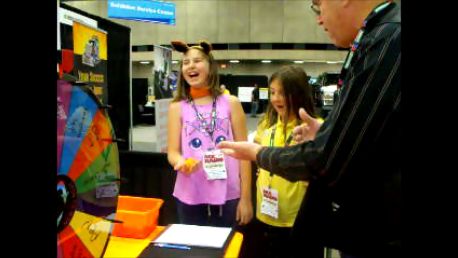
[{"x": 357, "y": 41}]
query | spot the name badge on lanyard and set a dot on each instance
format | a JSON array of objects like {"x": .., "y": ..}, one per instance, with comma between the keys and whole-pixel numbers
[
  {"x": 214, "y": 165},
  {"x": 269, "y": 204}
]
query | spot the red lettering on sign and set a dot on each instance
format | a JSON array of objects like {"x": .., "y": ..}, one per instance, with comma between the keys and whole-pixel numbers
[
  {"x": 213, "y": 159},
  {"x": 268, "y": 195}
]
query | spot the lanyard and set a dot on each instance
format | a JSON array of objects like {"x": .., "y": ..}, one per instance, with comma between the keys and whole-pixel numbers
[
  {"x": 203, "y": 123},
  {"x": 357, "y": 41},
  {"x": 272, "y": 137},
  {"x": 271, "y": 144}
]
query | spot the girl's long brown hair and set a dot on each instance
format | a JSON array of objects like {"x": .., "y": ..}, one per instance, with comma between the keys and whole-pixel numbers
[{"x": 297, "y": 91}]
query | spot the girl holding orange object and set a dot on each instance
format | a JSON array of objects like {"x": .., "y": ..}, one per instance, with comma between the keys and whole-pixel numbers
[{"x": 210, "y": 189}]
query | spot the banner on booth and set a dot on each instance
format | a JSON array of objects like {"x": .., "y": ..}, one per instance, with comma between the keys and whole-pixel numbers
[{"x": 90, "y": 58}]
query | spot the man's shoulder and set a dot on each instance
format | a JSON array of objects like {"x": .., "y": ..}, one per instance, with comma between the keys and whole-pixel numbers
[
  {"x": 387, "y": 21},
  {"x": 382, "y": 32},
  {"x": 385, "y": 30},
  {"x": 393, "y": 15}
]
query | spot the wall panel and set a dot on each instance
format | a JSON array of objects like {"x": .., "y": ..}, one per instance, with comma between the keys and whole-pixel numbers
[
  {"x": 234, "y": 17},
  {"x": 266, "y": 21},
  {"x": 202, "y": 20}
]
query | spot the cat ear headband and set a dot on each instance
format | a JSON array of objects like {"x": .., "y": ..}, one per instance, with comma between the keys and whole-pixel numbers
[{"x": 182, "y": 47}]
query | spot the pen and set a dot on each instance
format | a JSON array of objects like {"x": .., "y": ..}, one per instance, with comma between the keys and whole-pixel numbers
[
  {"x": 114, "y": 220},
  {"x": 182, "y": 247}
]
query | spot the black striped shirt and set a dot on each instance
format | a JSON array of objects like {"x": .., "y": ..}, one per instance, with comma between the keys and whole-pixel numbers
[{"x": 356, "y": 151}]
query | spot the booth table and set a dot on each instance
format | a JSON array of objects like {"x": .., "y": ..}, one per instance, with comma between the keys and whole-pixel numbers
[{"x": 120, "y": 247}]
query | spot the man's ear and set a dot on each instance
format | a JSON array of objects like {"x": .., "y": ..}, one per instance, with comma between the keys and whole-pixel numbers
[{"x": 180, "y": 46}]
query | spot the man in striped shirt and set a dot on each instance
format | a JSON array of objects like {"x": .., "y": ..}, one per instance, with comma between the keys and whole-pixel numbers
[{"x": 353, "y": 159}]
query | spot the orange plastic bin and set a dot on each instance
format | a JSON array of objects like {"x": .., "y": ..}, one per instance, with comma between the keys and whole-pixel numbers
[{"x": 138, "y": 214}]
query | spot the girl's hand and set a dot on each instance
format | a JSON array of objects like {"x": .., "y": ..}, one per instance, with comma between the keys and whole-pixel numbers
[
  {"x": 244, "y": 211},
  {"x": 186, "y": 166}
]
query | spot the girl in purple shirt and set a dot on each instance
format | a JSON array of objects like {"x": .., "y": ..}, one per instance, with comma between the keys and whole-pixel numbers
[{"x": 216, "y": 190}]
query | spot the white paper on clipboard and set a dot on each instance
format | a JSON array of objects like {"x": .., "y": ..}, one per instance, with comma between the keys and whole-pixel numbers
[{"x": 192, "y": 235}]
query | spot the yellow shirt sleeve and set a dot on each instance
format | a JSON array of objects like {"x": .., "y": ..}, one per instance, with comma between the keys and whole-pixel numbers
[{"x": 260, "y": 131}]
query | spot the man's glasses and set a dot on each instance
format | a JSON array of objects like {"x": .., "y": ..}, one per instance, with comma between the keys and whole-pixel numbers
[{"x": 315, "y": 8}]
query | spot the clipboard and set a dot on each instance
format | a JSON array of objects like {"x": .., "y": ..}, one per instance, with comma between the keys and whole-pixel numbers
[{"x": 204, "y": 251}]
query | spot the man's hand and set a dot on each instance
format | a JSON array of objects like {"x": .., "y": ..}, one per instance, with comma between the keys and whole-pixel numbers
[
  {"x": 308, "y": 129},
  {"x": 240, "y": 150}
]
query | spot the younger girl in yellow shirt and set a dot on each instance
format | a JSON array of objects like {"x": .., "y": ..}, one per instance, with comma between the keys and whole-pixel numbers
[{"x": 277, "y": 199}]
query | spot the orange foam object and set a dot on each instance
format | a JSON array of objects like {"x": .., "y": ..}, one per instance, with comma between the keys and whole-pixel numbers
[
  {"x": 138, "y": 214},
  {"x": 190, "y": 164}
]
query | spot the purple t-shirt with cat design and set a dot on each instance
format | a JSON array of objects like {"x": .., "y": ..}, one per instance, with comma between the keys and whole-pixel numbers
[{"x": 195, "y": 140}]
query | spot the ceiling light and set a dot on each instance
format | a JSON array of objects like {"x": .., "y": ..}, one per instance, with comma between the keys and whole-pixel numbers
[
  {"x": 298, "y": 61},
  {"x": 234, "y": 61},
  {"x": 266, "y": 61},
  {"x": 144, "y": 62}
]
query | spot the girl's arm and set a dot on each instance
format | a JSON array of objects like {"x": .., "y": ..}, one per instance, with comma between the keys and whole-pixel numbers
[
  {"x": 238, "y": 121},
  {"x": 174, "y": 137}
]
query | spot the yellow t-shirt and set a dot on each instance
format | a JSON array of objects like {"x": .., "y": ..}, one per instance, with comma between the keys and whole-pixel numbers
[{"x": 290, "y": 194}]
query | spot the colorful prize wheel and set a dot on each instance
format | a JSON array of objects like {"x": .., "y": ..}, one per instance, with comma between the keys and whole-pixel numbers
[{"x": 87, "y": 173}]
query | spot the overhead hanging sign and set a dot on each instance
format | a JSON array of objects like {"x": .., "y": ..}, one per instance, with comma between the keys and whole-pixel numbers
[{"x": 142, "y": 10}]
